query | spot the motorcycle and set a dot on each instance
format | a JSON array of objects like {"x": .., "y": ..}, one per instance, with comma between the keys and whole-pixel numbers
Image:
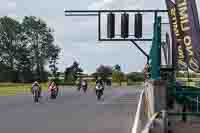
[
  {"x": 99, "y": 91},
  {"x": 36, "y": 93},
  {"x": 84, "y": 87},
  {"x": 54, "y": 92}
]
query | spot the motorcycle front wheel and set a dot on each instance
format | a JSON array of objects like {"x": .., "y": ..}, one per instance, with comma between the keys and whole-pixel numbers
[
  {"x": 53, "y": 95},
  {"x": 98, "y": 95},
  {"x": 85, "y": 89},
  {"x": 36, "y": 97}
]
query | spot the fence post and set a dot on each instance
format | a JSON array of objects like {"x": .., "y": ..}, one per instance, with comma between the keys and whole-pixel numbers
[
  {"x": 164, "y": 117},
  {"x": 197, "y": 103}
]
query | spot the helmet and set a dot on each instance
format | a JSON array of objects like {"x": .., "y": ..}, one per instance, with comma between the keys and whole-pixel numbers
[{"x": 35, "y": 83}]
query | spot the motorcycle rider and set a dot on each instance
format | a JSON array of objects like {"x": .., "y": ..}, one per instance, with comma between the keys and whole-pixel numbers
[
  {"x": 53, "y": 90},
  {"x": 53, "y": 85},
  {"x": 36, "y": 84},
  {"x": 84, "y": 85},
  {"x": 99, "y": 82}
]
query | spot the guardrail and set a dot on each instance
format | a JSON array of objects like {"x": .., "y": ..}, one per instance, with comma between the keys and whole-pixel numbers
[
  {"x": 143, "y": 120},
  {"x": 150, "y": 124},
  {"x": 183, "y": 113},
  {"x": 152, "y": 95},
  {"x": 142, "y": 123},
  {"x": 137, "y": 126}
]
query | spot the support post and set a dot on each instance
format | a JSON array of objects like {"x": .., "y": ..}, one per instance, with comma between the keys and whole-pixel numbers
[
  {"x": 197, "y": 104},
  {"x": 164, "y": 118},
  {"x": 155, "y": 53},
  {"x": 99, "y": 26}
]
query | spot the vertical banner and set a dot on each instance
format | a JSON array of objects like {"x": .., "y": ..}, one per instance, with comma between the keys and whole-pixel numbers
[
  {"x": 178, "y": 52},
  {"x": 188, "y": 24},
  {"x": 195, "y": 14}
]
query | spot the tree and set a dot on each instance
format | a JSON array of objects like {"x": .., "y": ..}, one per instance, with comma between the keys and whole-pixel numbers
[
  {"x": 53, "y": 61},
  {"x": 23, "y": 64},
  {"x": 135, "y": 76},
  {"x": 117, "y": 67},
  {"x": 104, "y": 71},
  {"x": 25, "y": 48},
  {"x": 72, "y": 72},
  {"x": 4, "y": 75},
  {"x": 10, "y": 38},
  {"x": 10, "y": 32},
  {"x": 40, "y": 40},
  {"x": 118, "y": 76}
]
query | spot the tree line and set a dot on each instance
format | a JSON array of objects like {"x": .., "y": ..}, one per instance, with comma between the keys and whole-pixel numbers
[
  {"x": 107, "y": 73},
  {"x": 25, "y": 49}
]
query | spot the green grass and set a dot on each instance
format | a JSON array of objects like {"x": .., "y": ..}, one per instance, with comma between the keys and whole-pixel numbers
[{"x": 11, "y": 89}]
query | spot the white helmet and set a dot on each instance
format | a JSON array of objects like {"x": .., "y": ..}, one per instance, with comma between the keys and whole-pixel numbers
[{"x": 35, "y": 83}]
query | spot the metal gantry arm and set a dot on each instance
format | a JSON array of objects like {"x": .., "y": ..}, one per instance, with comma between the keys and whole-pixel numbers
[
  {"x": 67, "y": 12},
  {"x": 144, "y": 53},
  {"x": 98, "y": 13}
]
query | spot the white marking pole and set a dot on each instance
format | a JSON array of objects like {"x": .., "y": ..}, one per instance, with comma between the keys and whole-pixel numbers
[
  {"x": 197, "y": 104},
  {"x": 137, "y": 122}
]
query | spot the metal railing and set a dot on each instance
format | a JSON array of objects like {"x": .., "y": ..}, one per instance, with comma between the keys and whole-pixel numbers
[
  {"x": 137, "y": 126},
  {"x": 150, "y": 124},
  {"x": 196, "y": 101},
  {"x": 143, "y": 119}
]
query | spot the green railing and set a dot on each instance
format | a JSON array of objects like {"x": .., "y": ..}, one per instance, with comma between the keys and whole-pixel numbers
[
  {"x": 189, "y": 95},
  {"x": 184, "y": 113}
]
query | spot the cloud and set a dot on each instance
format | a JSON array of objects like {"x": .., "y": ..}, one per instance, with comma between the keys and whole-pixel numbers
[
  {"x": 116, "y": 4},
  {"x": 77, "y": 36},
  {"x": 99, "y": 4},
  {"x": 12, "y": 5}
]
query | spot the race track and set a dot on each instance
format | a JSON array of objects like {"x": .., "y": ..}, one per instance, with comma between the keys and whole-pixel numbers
[{"x": 71, "y": 112}]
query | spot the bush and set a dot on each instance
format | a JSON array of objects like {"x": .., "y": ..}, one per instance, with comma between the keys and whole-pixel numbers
[
  {"x": 8, "y": 76},
  {"x": 135, "y": 77},
  {"x": 117, "y": 76},
  {"x": 57, "y": 80},
  {"x": 134, "y": 83}
]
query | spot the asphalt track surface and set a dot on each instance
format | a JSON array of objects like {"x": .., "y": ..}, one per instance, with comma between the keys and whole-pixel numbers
[{"x": 71, "y": 112}]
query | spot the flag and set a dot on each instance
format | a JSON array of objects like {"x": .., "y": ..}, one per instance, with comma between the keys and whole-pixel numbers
[
  {"x": 189, "y": 26},
  {"x": 178, "y": 48}
]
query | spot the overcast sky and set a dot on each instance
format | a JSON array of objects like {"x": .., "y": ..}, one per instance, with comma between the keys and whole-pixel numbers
[{"x": 77, "y": 36}]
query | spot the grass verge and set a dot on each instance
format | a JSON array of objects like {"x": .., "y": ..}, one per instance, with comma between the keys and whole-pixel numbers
[{"x": 11, "y": 89}]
